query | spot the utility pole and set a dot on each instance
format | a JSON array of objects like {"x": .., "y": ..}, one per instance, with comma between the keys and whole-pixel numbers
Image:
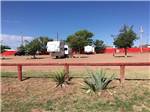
[
  {"x": 141, "y": 38},
  {"x": 1, "y": 42},
  {"x": 57, "y": 36},
  {"x": 21, "y": 39}
]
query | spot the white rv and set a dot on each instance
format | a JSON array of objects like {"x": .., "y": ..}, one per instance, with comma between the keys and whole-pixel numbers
[
  {"x": 58, "y": 49},
  {"x": 89, "y": 49}
]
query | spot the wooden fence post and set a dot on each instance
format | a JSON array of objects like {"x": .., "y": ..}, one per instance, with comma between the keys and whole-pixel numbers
[
  {"x": 122, "y": 74},
  {"x": 20, "y": 72},
  {"x": 66, "y": 70}
]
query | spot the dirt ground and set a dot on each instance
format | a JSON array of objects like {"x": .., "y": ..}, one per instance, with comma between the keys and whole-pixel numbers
[
  {"x": 35, "y": 93},
  {"x": 97, "y": 58},
  {"x": 32, "y": 94}
]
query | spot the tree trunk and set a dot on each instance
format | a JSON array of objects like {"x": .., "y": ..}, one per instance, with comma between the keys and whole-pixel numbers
[
  {"x": 79, "y": 50},
  {"x": 34, "y": 57},
  {"x": 125, "y": 51}
]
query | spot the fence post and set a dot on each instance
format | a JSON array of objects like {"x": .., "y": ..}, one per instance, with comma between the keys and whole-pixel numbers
[
  {"x": 122, "y": 74},
  {"x": 66, "y": 70},
  {"x": 20, "y": 72}
]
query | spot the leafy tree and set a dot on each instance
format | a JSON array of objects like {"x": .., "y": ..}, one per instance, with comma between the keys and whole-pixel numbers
[
  {"x": 43, "y": 42},
  {"x": 3, "y": 47},
  {"x": 33, "y": 47},
  {"x": 21, "y": 48},
  {"x": 38, "y": 44},
  {"x": 72, "y": 40},
  {"x": 125, "y": 38},
  {"x": 78, "y": 40},
  {"x": 99, "y": 46}
]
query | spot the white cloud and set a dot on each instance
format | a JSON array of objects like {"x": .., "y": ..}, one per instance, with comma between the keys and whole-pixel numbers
[{"x": 13, "y": 40}]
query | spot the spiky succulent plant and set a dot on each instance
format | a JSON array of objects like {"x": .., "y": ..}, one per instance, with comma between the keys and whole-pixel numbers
[
  {"x": 97, "y": 81},
  {"x": 61, "y": 79}
]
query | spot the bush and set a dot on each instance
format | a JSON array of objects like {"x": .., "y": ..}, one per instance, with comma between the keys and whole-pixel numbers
[{"x": 98, "y": 81}]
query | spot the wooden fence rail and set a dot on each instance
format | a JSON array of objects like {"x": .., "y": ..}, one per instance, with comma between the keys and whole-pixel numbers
[{"x": 66, "y": 66}]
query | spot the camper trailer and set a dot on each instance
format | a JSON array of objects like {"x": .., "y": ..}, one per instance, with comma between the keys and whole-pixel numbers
[
  {"x": 89, "y": 49},
  {"x": 58, "y": 49}
]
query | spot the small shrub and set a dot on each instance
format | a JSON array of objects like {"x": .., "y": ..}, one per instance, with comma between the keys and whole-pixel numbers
[
  {"x": 61, "y": 79},
  {"x": 98, "y": 81}
]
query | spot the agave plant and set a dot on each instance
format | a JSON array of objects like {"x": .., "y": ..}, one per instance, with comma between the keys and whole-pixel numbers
[
  {"x": 98, "y": 81},
  {"x": 61, "y": 79}
]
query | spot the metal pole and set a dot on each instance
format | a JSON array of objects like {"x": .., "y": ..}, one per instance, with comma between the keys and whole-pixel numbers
[
  {"x": 141, "y": 38},
  {"x": 21, "y": 39},
  {"x": 141, "y": 43},
  {"x": 57, "y": 36}
]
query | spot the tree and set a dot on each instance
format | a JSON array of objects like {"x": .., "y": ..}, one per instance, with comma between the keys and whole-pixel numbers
[
  {"x": 125, "y": 38},
  {"x": 72, "y": 41},
  {"x": 79, "y": 39},
  {"x": 38, "y": 44},
  {"x": 21, "y": 50},
  {"x": 43, "y": 43},
  {"x": 3, "y": 47},
  {"x": 33, "y": 47},
  {"x": 99, "y": 46}
]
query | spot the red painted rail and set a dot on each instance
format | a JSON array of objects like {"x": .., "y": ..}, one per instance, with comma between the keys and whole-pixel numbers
[{"x": 66, "y": 66}]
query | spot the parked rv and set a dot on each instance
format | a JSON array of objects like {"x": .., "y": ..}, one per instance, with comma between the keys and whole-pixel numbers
[
  {"x": 89, "y": 49},
  {"x": 58, "y": 49}
]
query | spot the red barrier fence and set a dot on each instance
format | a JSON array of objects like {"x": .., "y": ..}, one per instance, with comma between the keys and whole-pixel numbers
[
  {"x": 120, "y": 50},
  {"x": 66, "y": 66},
  {"x": 129, "y": 50},
  {"x": 8, "y": 53}
]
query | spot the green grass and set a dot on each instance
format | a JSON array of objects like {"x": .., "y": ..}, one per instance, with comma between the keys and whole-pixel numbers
[
  {"x": 129, "y": 74},
  {"x": 19, "y": 106},
  {"x": 41, "y": 94},
  {"x": 36, "y": 74},
  {"x": 82, "y": 103}
]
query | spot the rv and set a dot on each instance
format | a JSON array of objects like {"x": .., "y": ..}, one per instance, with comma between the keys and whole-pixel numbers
[
  {"x": 89, "y": 49},
  {"x": 58, "y": 49}
]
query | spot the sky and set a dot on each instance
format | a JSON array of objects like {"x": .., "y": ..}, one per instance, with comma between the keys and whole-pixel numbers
[{"x": 103, "y": 19}]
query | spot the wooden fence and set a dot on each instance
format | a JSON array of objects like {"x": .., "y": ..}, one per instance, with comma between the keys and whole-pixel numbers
[{"x": 66, "y": 66}]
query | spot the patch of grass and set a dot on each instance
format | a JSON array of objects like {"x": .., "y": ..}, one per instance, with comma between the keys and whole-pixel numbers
[
  {"x": 39, "y": 74},
  {"x": 35, "y": 74},
  {"x": 125, "y": 105},
  {"x": 9, "y": 74},
  {"x": 19, "y": 106},
  {"x": 48, "y": 106},
  {"x": 41, "y": 94},
  {"x": 75, "y": 104},
  {"x": 134, "y": 102},
  {"x": 129, "y": 73}
]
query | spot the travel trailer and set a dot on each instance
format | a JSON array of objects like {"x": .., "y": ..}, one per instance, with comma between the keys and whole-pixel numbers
[
  {"x": 58, "y": 49},
  {"x": 89, "y": 49}
]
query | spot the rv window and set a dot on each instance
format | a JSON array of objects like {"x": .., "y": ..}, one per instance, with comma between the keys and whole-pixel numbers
[{"x": 65, "y": 48}]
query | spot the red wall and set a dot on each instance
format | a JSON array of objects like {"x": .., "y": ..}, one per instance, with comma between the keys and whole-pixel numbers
[
  {"x": 107, "y": 50},
  {"x": 130, "y": 50},
  {"x": 8, "y": 53},
  {"x": 121, "y": 50}
]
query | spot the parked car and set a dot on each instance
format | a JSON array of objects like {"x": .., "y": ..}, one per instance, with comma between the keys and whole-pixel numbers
[{"x": 20, "y": 53}]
